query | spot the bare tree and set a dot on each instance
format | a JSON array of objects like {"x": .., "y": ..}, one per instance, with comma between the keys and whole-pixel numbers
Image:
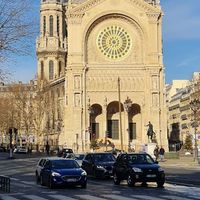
[{"x": 16, "y": 29}]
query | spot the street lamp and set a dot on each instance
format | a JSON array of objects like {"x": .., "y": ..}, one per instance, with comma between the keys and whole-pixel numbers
[
  {"x": 127, "y": 106},
  {"x": 90, "y": 111},
  {"x": 195, "y": 106}
]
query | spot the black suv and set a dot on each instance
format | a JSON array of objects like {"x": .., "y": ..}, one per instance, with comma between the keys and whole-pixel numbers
[
  {"x": 137, "y": 167},
  {"x": 99, "y": 165}
]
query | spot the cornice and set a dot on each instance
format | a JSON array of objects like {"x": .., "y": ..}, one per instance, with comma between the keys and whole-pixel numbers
[{"x": 82, "y": 8}]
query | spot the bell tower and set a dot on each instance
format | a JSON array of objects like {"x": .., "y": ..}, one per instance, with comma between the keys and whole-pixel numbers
[{"x": 52, "y": 43}]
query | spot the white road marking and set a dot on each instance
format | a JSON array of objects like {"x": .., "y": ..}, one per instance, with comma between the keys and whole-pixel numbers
[
  {"x": 117, "y": 197},
  {"x": 89, "y": 197},
  {"x": 176, "y": 197},
  {"x": 34, "y": 197},
  {"x": 8, "y": 198},
  {"x": 145, "y": 197},
  {"x": 61, "y": 197}
]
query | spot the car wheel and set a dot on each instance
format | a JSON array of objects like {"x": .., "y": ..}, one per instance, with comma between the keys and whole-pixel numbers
[
  {"x": 160, "y": 183},
  {"x": 37, "y": 178},
  {"x": 130, "y": 181},
  {"x": 51, "y": 184},
  {"x": 41, "y": 180},
  {"x": 116, "y": 179},
  {"x": 84, "y": 185}
]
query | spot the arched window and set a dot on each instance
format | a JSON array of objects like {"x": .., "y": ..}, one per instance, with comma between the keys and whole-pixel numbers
[
  {"x": 51, "y": 70},
  {"x": 51, "y": 26},
  {"x": 58, "y": 25},
  {"x": 42, "y": 70},
  {"x": 44, "y": 25},
  {"x": 59, "y": 68}
]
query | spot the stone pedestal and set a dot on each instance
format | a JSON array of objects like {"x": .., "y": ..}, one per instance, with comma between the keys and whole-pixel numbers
[{"x": 149, "y": 148}]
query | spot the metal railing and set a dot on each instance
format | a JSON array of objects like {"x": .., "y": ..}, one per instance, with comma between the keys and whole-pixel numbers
[{"x": 4, "y": 184}]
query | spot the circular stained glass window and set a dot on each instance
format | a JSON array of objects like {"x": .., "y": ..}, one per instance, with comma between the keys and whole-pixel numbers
[{"x": 114, "y": 42}]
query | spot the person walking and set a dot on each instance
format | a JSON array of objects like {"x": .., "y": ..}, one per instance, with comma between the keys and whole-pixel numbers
[
  {"x": 156, "y": 152},
  {"x": 47, "y": 148},
  {"x": 162, "y": 152}
]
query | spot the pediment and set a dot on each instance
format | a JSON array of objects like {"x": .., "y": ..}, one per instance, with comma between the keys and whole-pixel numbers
[{"x": 89, "y": 4}]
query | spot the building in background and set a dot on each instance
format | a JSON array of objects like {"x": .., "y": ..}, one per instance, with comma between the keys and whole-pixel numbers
[
  {"x": 180, "y": 116},
  {"x": 97, "y": 54}
]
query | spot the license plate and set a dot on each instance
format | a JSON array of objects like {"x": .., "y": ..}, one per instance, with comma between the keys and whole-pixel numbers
[
  {"x": 71, "y": 180},
  {"x": 151, "y": 175}
]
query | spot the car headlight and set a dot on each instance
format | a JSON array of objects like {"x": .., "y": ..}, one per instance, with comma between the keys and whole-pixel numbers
[
  {"x": 135, "y": 169},
  {"x": 55, "y": 174},
  {"x": 160, "y": 169},
  {"x": 84, "y": 173},
  {"x": 100, "y": 167}
]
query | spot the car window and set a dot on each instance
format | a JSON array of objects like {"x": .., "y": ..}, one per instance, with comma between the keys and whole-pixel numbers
[
  {"x": 140, "y": 159},
  {"x": 88, "y": 158},
  {"x": 47, "y": 164},
  {"x": 41, "y": 162},
  {"x": 80, "y": 156},
  {"x": 64, "y": 164},
  {"x": 104, "y": 158}
]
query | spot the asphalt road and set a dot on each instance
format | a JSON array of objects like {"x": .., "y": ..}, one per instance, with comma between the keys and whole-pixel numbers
[{"x": 24, "y": 187}]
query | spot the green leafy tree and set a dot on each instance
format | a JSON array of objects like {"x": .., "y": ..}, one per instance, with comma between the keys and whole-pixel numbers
[{"x": 188, "y": 143}]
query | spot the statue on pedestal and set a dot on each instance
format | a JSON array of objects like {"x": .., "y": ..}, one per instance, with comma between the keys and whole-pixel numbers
[{"x": 150, "y": 131}]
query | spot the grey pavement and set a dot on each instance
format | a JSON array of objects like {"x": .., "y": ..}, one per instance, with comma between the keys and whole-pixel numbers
[{"x": 182, "y": 162}]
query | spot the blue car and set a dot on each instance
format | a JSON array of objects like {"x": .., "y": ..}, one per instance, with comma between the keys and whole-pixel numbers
[{"x": 62, "y": 172}]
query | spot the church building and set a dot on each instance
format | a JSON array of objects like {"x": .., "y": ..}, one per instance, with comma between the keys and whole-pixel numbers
[{"x": 107, "y": 57}]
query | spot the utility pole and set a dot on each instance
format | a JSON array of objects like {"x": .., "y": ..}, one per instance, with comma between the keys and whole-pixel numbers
[{"x": 120, "y": 116}]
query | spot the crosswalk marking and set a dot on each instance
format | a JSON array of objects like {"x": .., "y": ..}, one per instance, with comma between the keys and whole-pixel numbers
[
  {"x": 8, "y": 198},
  {"x": 176, "y": 197},
  {"x": 145, "y": 197},
  {"x": 90, "y": 197},
  {"x": 61, "y": 197},
  {"x": 34, "y": 197},
  {"x": 117, "y": 197}
]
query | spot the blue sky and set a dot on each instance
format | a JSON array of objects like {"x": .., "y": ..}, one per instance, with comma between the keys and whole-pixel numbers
[{"x": 181, "y": 42}]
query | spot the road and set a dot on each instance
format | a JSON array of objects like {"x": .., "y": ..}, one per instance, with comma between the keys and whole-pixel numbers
[{"x": 23, "y": 187}]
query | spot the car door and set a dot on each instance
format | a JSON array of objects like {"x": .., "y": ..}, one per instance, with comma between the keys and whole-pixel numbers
[
  {"x": 87, "y": 164},
  {"x": 122, "y": 168},
  {"x": 46, "y": 172}
]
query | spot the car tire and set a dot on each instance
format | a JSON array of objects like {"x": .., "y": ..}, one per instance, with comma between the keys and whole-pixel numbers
[
  {"x": 160, "y": 183},
  {"x": 130, "y": 181},
  {"x": 116, "y": 179},
  {"x": 84, "y": 185},
  {"x": 37, "y": 178},
  {"x": 41, "y": 181},
  {"x": 51, "y": 184}
]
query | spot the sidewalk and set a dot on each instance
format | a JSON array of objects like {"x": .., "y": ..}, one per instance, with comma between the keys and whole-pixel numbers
[{"x": 182, "y": 162}]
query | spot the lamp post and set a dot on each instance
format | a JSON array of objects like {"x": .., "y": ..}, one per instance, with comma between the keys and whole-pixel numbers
[
  {"x": 195, "y": 106},
  {"x": 90, "y": 111},
  {"x": 127, "y": 106}
]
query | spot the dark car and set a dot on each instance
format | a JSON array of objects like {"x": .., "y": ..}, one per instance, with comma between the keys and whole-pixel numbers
[
  {"x": 61, "y": 172},
  {"x": 66, "y": 153},
  {"x": 137, "y": 167},
  {"x": 99, "y": 165}
]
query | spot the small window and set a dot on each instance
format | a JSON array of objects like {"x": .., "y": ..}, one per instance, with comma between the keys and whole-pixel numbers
[
  {"x": 44, "y": 25},
  {"x": 42, "y": 70},
  {"x": 51, "y": 70},
  {"x": 58, "y": 25},
  {"x": 51, "y": 26}
]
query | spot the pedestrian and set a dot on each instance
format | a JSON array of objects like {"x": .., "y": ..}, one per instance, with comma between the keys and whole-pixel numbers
[
  {"x": 162, "y": 152},
  {"x": 156, "y": 152},
  {"x": 47, "y": 148}
]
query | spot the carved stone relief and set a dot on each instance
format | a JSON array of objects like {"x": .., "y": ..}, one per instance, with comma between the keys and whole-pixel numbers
[
  {"x": 155, "y": 100},
  {"x": 77, "y": 99},
  {"x": 77, "y": 82}
]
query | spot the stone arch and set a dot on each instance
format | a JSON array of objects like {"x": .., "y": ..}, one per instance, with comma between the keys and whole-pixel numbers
[
  {"x": 113, "y": 119},
  {"x": 96, "y": 120},
  {"x": 96, "y": 21}
]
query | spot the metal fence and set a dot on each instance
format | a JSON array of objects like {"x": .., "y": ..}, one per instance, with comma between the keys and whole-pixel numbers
[{"x": 4, "y": 184}]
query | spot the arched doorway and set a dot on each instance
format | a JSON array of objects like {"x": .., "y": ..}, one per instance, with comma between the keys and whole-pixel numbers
[
  {"x": 113, "y": 120},
  {"x": 95, "y": 120}
]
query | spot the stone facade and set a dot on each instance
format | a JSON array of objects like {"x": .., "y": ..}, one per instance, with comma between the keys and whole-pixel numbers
[{"x": 108, "y": 52}]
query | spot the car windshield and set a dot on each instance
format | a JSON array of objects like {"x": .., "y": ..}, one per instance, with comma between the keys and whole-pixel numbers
[
  {"x": 140, "y": 159},
  {"x": 104, "y": 158},
  {"x": 64, "y": 164},
  {"x": 80, "y": 156}
]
